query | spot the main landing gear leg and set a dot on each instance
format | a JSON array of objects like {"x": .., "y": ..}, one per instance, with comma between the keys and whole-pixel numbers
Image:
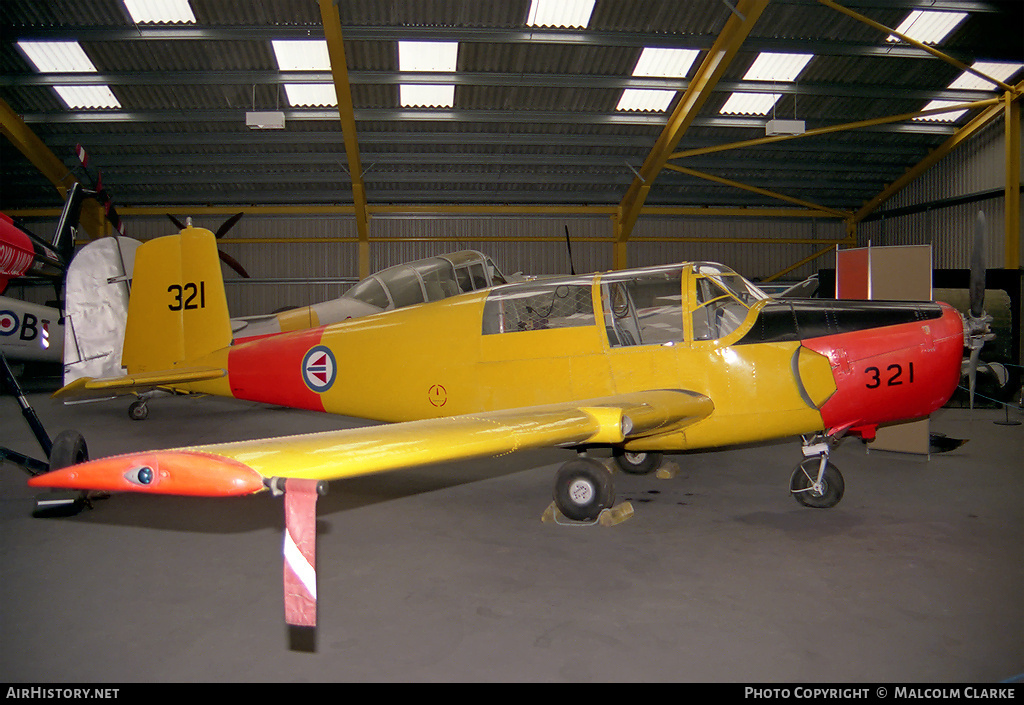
[{"x": 816, "y": 482}]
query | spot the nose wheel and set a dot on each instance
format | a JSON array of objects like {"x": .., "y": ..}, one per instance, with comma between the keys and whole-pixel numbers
[{"x": 816, "y": 482}]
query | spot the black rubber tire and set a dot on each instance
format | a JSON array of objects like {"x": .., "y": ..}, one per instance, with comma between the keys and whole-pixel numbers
[
  {"x": 583, "y": 489},
  {"x": 637, "y": 463},
  {"x": 803, "y": 478},
  {"x": 138, "y": 411},
  {"x": 68, "y": 449}
]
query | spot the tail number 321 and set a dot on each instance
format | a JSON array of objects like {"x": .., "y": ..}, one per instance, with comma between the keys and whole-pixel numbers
[
  {"x": 893, "y": 375},
  {"x": 187, "y": 297}
]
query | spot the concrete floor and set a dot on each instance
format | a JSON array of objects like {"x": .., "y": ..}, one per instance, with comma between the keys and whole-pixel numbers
[{"x": 449, "y": 574}]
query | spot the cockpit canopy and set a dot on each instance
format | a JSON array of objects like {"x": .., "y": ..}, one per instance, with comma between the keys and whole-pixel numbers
[
  {"x": 637, "y": 307},
  {"x": 430, "y": 279}
]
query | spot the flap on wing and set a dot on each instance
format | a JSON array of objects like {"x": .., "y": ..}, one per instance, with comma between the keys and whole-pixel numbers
[
  {"x": 237, "y": 467},
  {"x": 92, "y": 387}
]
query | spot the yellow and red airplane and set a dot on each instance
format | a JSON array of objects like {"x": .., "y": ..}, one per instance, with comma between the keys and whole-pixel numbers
[{"x": 644, "y": 361}]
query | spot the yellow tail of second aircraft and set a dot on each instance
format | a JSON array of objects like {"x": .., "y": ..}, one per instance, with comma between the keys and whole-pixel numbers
[{"x": 177, "y": 312}]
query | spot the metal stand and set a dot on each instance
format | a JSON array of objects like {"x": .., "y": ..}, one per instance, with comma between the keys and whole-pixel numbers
[
  {"x": 32, "y": 465},
  {"x": 49, "y": 504}
]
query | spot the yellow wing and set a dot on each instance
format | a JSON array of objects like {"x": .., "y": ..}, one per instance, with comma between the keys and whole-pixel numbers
[{"x": 241, "y": 468}]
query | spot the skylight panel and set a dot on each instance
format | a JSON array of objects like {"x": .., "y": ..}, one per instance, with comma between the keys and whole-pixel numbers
[
  {"x": 310, "y": 94},
  {"x": 660, "y": 63},
  {"x": 768, "y": 66},
  {"x": 665, "y": 63},
  {"x": 305, "y": 55},
  {"x": 439, "y": 57},
  {"x": 301, "y": 54},
  {"x": 84, "y": 97},
  {"x": 57, "y": 57},
  {"x": 999, "y": 70},
  {"x": 69, "y": 57},
  {"x": 160, "y": 11},
  {"x": 952, "y": 116},
  {"x": 928, "y": 26},
  {"x": 645, "y": 99},
  {"x": 560, "y": 13}
]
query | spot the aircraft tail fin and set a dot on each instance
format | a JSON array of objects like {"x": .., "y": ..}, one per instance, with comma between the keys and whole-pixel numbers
[{"x": 178, "y": 311}]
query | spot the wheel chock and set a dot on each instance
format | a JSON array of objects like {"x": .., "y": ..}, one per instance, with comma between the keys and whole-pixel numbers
[
  {"x": 608, "y": 517},
  {"x": 668, "y": 470}
]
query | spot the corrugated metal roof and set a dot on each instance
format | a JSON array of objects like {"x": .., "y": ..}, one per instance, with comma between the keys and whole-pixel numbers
[{"x": 534, "y": 118}]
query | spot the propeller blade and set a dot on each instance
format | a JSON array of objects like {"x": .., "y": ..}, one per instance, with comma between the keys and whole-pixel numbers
[
  {"x": 977, "y": 285},
  {"x": 972, "y": 372},
  {"x": 233, "y": 263},
  {"x": 568, "y": 247},
  {"x": 228, "y": 224}
]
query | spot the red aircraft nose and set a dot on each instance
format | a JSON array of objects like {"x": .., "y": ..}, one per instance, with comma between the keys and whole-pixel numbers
[{"x": 891, "y": 373}]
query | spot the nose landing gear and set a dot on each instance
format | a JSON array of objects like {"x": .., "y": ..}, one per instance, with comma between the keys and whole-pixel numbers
[{"x": 816, "y": 482}]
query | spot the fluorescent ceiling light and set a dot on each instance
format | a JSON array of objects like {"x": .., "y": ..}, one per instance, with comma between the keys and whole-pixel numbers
[
  {"x": 69, "y": 57},
  {"x": 665, "y": 63},
  {"x": 928, "y": 26},
  {"x": 440, "y": 57},
  {"x": 768, "y": 66},
  {"x": 560, "y": 13},
  {"x": 143, "y": 11}
]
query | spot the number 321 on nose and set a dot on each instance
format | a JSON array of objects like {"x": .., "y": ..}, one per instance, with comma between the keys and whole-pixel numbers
[{"x": 891, "y": 377}]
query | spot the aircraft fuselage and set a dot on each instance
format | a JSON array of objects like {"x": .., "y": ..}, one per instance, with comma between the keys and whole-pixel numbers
[{"x": 772, "y": 368}]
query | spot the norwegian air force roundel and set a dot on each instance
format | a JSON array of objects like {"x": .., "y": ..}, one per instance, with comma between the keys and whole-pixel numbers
[{"x": 319, "y": 369}]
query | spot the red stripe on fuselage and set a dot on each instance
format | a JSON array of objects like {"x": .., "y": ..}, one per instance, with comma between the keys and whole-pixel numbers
[
  {"x": 269, "y": 370},
  {"x": 891, "y": 373}
]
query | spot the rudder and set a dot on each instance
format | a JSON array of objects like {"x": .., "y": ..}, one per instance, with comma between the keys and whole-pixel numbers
[{"x": 178, "y": 311}]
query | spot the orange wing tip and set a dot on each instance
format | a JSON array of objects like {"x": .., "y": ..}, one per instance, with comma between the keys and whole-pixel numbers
[{"x": 159, "y": 472}]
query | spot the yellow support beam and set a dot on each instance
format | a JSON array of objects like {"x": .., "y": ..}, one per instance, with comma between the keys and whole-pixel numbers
[
  {"x": 717, "y": 60},
  {"x": 913, "y": 42},
  {"x": 842, "y": 127},
  {"x": 979, "y": 121},
  {"x": 801, "y": 263},
  {"x": 346, "y": 112},
  {"x": 1011, "y": 218},
  {"x": 821, "y": 210},
  {"x": 29, "y": 144}
]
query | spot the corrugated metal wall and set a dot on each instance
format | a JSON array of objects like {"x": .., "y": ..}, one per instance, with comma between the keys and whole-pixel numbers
[
  {"x": 321, "y": 248},
  {"x": 975, "y": 167}
]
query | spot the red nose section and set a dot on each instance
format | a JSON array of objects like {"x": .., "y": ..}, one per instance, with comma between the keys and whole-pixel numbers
[
  {"x": 158, "y": 472},
  {"x": 892, "y": 373}
]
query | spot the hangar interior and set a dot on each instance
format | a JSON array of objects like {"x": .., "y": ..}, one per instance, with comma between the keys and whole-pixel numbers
[{"x": 763, "y": 134}]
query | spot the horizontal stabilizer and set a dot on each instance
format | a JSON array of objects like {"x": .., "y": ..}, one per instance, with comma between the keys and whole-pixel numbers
[{"x": 91, "y": 388}]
